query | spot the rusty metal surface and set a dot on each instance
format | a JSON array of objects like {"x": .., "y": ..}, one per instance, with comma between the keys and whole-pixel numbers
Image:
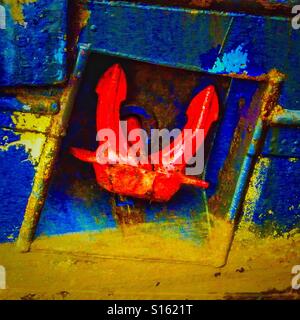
[{"x": 257, "y": 7}]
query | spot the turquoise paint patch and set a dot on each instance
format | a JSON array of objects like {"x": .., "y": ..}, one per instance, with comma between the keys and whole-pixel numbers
[{"x": 233, "y": 62}]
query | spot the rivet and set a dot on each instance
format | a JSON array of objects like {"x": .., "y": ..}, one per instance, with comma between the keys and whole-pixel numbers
[
  {"x": 283, "y": 141},
  {"x": 93, "y": 28}
]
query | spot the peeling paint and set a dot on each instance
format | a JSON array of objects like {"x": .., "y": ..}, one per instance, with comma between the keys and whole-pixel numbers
[
  {"x": 256, "y": 187},
  {"x": 234, "y": 61},
  {"x": 31, "y": 122},
  {"x": 32, "y": 143},
  {"x": 16, "y": 7}
]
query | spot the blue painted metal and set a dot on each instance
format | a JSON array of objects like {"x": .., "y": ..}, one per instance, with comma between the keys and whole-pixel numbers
[
  {"x": 276, "y": 208},
  {"x": 196, "y": 40},
  {"x": 124, "y": 202},
  {"x": 283, "y": 142},
  {"x": 6, "y": 120},
  {"x": 169, "y": 36},
  {"x": 287, "y": 118},
  {"x": 237, "y": 105},
  {"x": 181, "y": 38},
  {"x": 33, "y": 51},
  {"x": 199, "y": 40},
  {"x": 49, "y": 155},
  {"x": 11, "y": 103},
  {"x": 245, "y": 171},
  {"x": 10, "y": 120}
]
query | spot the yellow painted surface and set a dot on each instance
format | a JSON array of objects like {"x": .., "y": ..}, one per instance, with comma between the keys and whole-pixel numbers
[
  {"x": 31, "y": 121},
  {"x": 149, "y": 240},
  {"x": 16, "y": 7},
  {"x": 38, "y": 104},
  {"x": 95, "y": 266},
  {"x": 39, "y": 192},
  {"x": 256, "y": 184},
  {"x": 32, "y": 142}
]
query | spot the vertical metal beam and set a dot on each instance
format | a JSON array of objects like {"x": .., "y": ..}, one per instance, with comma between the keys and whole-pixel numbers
[
  {"x": 269, "y": 102},
  {"x": 49, "y": 154}
]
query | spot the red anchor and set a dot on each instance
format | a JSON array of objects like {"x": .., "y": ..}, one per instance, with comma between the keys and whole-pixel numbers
[{"x": 153, "y": 182}]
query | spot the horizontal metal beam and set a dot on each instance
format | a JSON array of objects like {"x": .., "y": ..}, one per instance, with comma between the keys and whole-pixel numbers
[{"x": 287, "y": 118}]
